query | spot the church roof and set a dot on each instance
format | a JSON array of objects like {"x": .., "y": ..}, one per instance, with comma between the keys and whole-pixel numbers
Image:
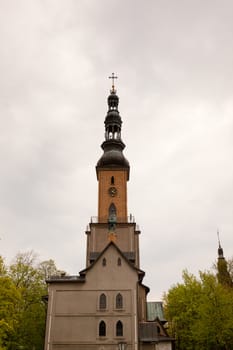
[
  {"x": 153, "y": 332},
  {"x": 65, "y": 278},
  {"x": 154, "y": 310}
]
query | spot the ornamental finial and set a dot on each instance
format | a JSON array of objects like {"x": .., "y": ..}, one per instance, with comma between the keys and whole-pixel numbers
[
  {"x": 218, "y": 238},
  {"x": 113, "y": 76}
]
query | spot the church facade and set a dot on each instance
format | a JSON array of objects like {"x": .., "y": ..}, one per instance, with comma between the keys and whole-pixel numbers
[{"x": 105, "y": 307}]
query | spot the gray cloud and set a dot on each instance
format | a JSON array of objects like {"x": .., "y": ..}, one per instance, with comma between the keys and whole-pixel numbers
[{"x": 174, "y": 61}]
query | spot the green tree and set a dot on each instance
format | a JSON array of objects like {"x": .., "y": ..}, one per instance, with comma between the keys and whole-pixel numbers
[
  {"x": 223, "y": 273},
  {"x": 29, "y": 281},
  {"x": 3, "y": 269},
  {"x": 200, "y": 313},
  {"x": 230, "y": 267},
  {"x": 48, "y": 268},
  {"x": 22, "y": 310},
  {"x": 10, "y": 300},
  {"x": 181, "y": 308},
  {"x": 214, "y": 326}
]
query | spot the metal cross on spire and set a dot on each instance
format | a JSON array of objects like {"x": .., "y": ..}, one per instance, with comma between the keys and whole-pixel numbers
[{"x": 113, "y": 77}]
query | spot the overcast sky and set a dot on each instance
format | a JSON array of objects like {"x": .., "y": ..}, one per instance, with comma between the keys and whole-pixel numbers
[{"x": 174, "y": 61}]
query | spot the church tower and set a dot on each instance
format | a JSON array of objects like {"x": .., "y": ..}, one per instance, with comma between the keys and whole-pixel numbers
[
  {"x": 105, "y": 307},
  {"x": 112, "y": 169}
]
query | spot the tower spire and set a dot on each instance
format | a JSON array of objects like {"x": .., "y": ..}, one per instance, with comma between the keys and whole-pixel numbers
[
  {"x": 112, "y": 169},
  {"x": 223, "y": 274},
  {"x": 113, "y": 145},
  {"x": 220, "y": 250}
]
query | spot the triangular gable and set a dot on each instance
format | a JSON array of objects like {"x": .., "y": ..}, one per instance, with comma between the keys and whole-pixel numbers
[
  {"x": 157, "y": 320},
  {"x": 140, "y": 273}
]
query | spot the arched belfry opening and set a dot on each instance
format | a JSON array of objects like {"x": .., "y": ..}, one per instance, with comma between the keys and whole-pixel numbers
[
  {"x": 112, "y": 217},
  {"x": 112, "y": 212}
]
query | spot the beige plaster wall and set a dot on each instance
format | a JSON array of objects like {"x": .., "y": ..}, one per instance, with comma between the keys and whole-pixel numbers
[
  {"x": 126, "y": 238},
  {"x": 74, "y": 314}
]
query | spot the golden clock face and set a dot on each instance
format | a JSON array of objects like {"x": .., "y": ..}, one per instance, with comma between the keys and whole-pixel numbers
[{"x": 112, "y": 191}]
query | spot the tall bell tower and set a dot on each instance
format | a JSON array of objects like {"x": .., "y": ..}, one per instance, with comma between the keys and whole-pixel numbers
[
  {"x": 112, "y": 168},
  {"x": 105, "y": 306}
]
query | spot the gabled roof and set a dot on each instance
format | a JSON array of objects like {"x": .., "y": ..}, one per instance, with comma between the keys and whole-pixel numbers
[
  {"x": 82, "y": 274},
  {"x": 153, "y": 332},
  {"x": 154, "y": 310},
  {"x": 140, "y": 272}
]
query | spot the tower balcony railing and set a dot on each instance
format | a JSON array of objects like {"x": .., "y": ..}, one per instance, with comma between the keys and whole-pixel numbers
[{"x": 119, "y": 220}]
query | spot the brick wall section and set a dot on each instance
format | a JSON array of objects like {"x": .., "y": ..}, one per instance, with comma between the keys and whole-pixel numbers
[{"x": 105, "y": 199}]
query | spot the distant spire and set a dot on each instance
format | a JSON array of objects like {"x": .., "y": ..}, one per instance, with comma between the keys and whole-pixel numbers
[
  {"x": 223, "y": 274},
  {"x": 220, "y": 250}
]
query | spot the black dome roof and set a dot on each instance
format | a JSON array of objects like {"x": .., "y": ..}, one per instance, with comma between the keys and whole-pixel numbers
[
  {"x": 113, "y": 146},
  {"x": 113, "y": 100},
  {"x": 113, "y": 158},
  {"x": 113, "y": 117}
]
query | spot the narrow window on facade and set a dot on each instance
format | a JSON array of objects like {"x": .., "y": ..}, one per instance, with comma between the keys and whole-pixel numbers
[
  {"x": 112, "y": 180},
  {"x": 104, "y": 262},
  {"x": 119, "y": 262},
  {"x": 102, "y": 301},
  {"x": 119, "y": 329},
  {"x": 119, "y": 301},
  {"x": 102, "y": 329}
]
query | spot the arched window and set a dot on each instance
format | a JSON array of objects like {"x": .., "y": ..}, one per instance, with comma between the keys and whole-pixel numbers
[
  {"x": 112, "y": 210},
  {"x": 119, "y": 261},
  {"x": 112, "y": 218},
  {"x": 104, "y": 262},
  {"x": 102, "y": 329},
  {"x": 112, "y": 180},
  {"x": 119, "y": 301},
  {"x": 102, "y": 301},
  {"x": 119, "y": 329}
]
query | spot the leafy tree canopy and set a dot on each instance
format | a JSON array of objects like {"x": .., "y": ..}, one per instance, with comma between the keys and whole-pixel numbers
[
  {"x": 22, "y": 310},
  {"x": 200, "y": 313}
]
